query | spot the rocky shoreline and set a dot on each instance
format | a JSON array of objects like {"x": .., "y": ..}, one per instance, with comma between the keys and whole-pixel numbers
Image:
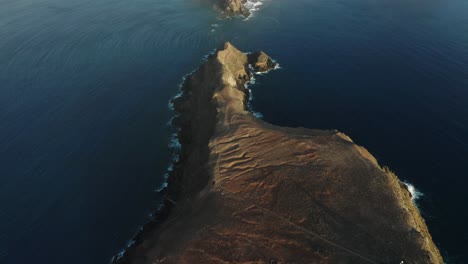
[
  {"x": 245, "y": 191},
  {"x": 232, "y": 7}
]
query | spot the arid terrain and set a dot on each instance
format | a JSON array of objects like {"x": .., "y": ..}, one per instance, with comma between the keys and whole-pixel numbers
[{"x": 245, "y": 191}]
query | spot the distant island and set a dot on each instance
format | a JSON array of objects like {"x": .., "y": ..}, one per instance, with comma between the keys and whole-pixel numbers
[
  {"x": 232, "y": 7},
  {"x": 246, "y": 191}
]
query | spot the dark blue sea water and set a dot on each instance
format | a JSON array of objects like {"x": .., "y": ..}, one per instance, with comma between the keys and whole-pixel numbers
[{"x": 84, "y": 87}]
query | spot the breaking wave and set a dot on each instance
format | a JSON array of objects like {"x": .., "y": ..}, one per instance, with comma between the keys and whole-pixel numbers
[
  {"x": 415, "y": 193},
  {"x": 253, "y": 6},
  {"x": 252, "y": 81}
]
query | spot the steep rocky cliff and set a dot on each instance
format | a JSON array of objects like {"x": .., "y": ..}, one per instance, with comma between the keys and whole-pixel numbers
[{"x": 245, "y": 191}]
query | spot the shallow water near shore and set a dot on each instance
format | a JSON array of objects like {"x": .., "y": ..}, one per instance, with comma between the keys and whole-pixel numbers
[{"x": 84, "y": 87}]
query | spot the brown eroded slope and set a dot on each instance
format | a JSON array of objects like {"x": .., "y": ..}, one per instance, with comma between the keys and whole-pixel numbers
[{"x": 245, "y": 191}]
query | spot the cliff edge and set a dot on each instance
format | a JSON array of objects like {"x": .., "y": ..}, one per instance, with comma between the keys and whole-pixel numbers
[{"x": 245, "y": 191}]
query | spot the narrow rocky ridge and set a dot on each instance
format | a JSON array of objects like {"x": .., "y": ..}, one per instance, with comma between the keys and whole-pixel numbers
[{"x": 245, "y": 191}]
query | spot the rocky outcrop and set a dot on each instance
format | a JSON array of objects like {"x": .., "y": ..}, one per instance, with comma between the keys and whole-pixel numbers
[
  {"x": 261, "y": 62},
  {"x": 233, "y": 7},
  {"x": 245, "y": 191}
]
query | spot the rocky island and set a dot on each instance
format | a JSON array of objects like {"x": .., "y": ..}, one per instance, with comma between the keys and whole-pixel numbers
[
  {"x": 232, "y": 7},
  {"x": 246, "y": 191}
]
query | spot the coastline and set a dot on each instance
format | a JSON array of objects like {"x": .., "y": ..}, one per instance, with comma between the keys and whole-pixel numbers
[
  {"x": 169, "y": 191},
  {"x": 244, "y": 8},
  {"x": 212, "y": 108}
]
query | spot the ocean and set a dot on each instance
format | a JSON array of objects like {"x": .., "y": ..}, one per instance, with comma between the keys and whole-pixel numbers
[{"x": 85, "y": 85}]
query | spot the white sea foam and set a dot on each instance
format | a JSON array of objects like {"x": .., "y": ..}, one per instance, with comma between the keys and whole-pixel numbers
[
  {"x": 204, "y": 59},
  {"x": 120, "y": 255},
  {"x": 175, "y": 147},
  {"x": 163, "y": 186},
  {"x": 170, "y": 104},
  {"x": 131, "y": 243},
  {"x": 415, "y": 193},
  {"x": 166, "y": 177},
  {"x": 252, "y": 81},
  {"x": 253, "y": 6},
  {"x": 250, "y": 94},
  {"x": 174, "y": 143},
  {"x": 214, "y": 27},
  {"x": 277, "y": 67},
  {"x": 258, "y": 115}
]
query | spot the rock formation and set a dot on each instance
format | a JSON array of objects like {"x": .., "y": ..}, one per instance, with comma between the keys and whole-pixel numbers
[
  {"x": 233, "y": 7},
  {"x": 260, "y": 61},
  {"x": 245, "y": 191}
]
